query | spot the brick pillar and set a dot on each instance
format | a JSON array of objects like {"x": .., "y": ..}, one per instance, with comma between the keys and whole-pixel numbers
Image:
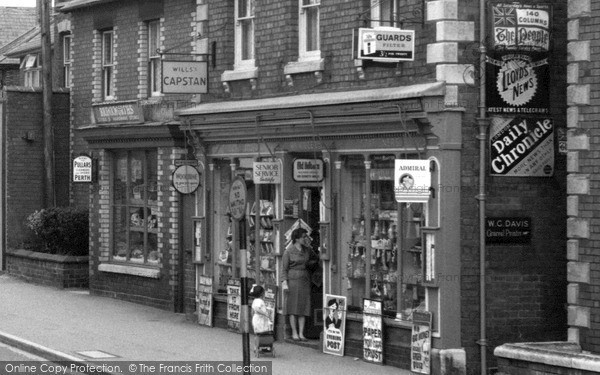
[{"x": 578, "y": 184}]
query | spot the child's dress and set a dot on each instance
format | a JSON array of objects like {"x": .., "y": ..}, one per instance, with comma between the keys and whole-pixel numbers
[{"x": 260, "y": 318}]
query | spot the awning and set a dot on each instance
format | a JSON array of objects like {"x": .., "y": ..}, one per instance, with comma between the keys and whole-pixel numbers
[
  {"x": 320, "y": 99},
  {"x": 76, "y": 4}
]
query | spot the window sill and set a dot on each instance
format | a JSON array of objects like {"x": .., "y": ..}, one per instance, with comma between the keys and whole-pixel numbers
[
  {"x": 239, "y": 75},
  {"x": 126, "y": 269},
  {"x": 316, "y": 66}
]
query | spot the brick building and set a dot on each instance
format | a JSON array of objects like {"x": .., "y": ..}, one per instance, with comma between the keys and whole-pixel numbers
[
  {"x": 15, "y": 23},
  {"x": 334, "y": 99}
]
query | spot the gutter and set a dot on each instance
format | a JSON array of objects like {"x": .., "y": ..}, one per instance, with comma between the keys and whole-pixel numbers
[{"x": 483, "y": 124}]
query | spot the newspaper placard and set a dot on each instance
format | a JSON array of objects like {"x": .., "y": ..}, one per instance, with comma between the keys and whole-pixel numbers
[
  {"x": 335, "y": 324},
  {"x": 420, "y": 348},
  {"x": 522, "y": 147},
  {"x": 271, "y": 304},
  {"x": 521, "y": 27},
  {"x": 372, "y": 331},
  {"x": 234, "y": 304},
  {"x": 205, "y": 301}
]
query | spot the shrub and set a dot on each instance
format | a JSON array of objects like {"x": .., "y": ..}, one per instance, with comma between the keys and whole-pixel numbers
[{"x": 62, "y": 230}]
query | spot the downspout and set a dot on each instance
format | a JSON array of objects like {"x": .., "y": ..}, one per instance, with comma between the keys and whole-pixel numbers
[{"x": 482, "y": 121}]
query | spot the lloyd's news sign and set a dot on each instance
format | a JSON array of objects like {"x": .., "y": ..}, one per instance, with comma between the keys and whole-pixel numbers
[
  {"x": 412, "y": 180},
  {"x": 522, "y": 147}
]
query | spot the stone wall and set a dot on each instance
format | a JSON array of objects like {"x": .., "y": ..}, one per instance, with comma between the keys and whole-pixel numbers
[{"x": 62, "y": 271}]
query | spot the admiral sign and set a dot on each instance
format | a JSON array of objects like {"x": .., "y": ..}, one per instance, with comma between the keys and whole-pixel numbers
[
  {"x": 412, "y": 180},
  {"x": 386, "y": 44},
  {"x": 521, "y": 147},
  {"x": 522, "y": 27}
]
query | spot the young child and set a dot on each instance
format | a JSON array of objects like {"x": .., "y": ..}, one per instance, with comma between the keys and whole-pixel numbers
[{"x": 260, "y": 319}]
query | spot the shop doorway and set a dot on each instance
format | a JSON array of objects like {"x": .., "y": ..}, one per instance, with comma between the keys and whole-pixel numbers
[{"x": 310, "y": 199}]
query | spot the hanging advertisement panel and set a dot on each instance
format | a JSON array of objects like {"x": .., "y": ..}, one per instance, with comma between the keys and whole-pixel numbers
[
  {"x": 412, "y": 180},
  {"x": 517, "y": 84},
  {"x": 521, "y": 27},
  {"x": 522, "y": 147},
  {"x": 335, "y": 324},
  {"x": 386, "y": 44}
]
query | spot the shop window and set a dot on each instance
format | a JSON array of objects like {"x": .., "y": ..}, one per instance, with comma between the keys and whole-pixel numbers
[
  {"x": 32, "y": 68},
  {"x": 67, "y": 60},
  {"x": 383, "y": 237},
  {"x": 107, "y": 65},
  {"x": 244, "y": 34},
  {"x": 134, "y": 207},
  {"x": 257, "y": 231},
  {"x": 309, "y": 35},
  {"x": 154, "y": 67}
]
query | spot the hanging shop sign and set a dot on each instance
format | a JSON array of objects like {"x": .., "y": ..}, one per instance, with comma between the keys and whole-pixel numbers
[
  {"x": 205, "y": 301},
  {"x": 372, "y": 331},
  {"x": 507, "y": 230},
  {"x": 308, "y": 170},
  {"x": 234, "y": 304},
  {"x": 521, "y": 147},
  {"x": 334, "y": 324},
  {"x": 521, "y": 27},
  {"x": 83, "y": 169},
  {"x": 386, "y": 44},
  {"x": 420, "y": 348},
  {"x": 237, "y": 198},
  {"x": 517, "y": 84},
  {"x": 266, "y": 172},
  {"x": 118, "y": 113},
  {"x": 184, "y": 77},
  {"x": 412, "y": 180},
  {"x": 186, "y": 179}
]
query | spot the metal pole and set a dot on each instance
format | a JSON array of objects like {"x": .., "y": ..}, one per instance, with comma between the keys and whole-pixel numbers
[{"x": 49, "y": 193}]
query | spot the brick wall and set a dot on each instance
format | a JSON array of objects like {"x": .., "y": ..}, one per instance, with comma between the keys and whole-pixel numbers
[
  {"x": 25, "y": 169},
  {"x": 582, "y": 181},
  {"x": 526, "y": 284}
]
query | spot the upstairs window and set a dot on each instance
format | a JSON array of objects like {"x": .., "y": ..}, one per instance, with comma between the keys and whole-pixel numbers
[
  {"x": 108, "y": 54},
  {"x": 384, "y": 13},
  {"x": 309, "y": 38},
  {"x": 154, "y": 57},
  {"x": 244, "y": 34},
  {"x": 67, "y": 60},
  {"x": 31, "y": 67}
]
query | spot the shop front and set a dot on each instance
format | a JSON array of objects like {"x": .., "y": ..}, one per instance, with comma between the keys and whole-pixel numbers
[{"x": 329, "y": 163}]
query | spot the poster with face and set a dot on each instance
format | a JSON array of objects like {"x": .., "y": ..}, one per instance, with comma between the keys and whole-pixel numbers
[{"x": 334, "y": 324}]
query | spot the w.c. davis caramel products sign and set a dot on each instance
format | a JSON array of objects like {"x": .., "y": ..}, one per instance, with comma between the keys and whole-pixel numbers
[{"x": 521, "y": 146}]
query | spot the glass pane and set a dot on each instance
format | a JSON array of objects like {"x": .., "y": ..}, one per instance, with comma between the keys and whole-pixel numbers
[
  {"x": 120, "y": 246},
  {"x": 245, "y": 8},
  {"x": 385, "y": 12},
  {"x": 67, "y": 48},
  {"x": 136, "y": 175},
  {"x": 108, "y": 88},
  {"x": 247, "y": 39},
  {"x": 153, "y": 38},
  {"x": 154, "y": 75},
  {"x": 107, "y": 49},
  {"x": 312, "y": 29},
  {"x": 152, "y": 177}
]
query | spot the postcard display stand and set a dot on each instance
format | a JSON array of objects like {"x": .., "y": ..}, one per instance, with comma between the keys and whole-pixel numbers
[{"x": 267, "y": 232}]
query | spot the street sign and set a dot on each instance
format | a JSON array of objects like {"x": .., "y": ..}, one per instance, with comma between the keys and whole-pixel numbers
[
  {"x": 237, "y": 198},
  {"x": 186, "y": 179}
]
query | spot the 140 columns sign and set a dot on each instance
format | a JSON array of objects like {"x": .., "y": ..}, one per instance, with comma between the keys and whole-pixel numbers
[{"x": 522, "y": 147}]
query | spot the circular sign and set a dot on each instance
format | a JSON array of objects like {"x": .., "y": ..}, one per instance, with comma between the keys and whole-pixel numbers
[
  {"x": 237, "y": 198},
  {"x": 186, "y": 179}
]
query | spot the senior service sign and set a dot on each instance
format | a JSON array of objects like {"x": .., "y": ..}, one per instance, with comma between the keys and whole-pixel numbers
[{"x": 521, "y": 146}]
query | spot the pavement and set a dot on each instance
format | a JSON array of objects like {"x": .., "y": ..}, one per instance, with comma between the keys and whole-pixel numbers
[{"x": 72, "y": 325}]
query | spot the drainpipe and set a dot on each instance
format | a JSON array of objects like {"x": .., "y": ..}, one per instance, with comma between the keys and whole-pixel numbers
[{"x": 482, "y": 121}]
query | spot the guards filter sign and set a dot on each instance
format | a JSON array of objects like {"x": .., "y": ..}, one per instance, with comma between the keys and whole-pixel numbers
[
  {"x": 386, "y": 44},
  {"x": 521, "y": 146}
]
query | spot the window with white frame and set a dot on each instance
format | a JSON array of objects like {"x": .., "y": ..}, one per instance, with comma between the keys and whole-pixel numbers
[
  {"x": 32, "y": 68},
  {"x": 108, "y": 54},
  {"x": 154, "y": 57},
  {"x": 309, "y": 35},
  {"x": 244, "y": 34},
  {"x": 384, "y": 13},
  {"x": 67, "y": 60}
]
